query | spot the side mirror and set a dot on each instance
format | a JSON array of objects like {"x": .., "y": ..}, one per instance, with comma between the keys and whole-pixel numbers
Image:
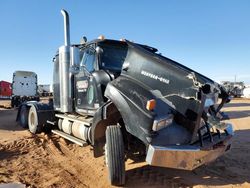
[
  {"x": 99, "y": 50},
  {"x": 83, "y": 40}
]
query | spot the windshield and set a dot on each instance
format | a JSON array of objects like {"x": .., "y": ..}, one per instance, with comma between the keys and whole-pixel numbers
[{"x": 113, "y": 56}]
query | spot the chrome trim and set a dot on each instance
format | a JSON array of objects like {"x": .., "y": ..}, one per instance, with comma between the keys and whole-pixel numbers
[
  {"x": 75, "y": 57},
  {"x": 69, "y": 137},
  {"x": 65, "y": 84},
  {"x": 64, "y": 65},
  {"x": 66, "y": 27},
  {"x": 186, "y": 157}
]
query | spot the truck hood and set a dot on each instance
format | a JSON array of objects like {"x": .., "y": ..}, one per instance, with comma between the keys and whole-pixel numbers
[{"x": 185, "y": 90}]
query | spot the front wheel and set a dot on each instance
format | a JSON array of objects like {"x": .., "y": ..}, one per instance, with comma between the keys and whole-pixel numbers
[
  {"x": 114, "y": 152},
  {"x": 34, "y": 125}
]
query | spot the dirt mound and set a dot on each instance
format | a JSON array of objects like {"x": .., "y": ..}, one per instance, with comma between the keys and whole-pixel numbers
[
  {"x": 5, "y": 104},
  {"x": 49, "y": 161}
]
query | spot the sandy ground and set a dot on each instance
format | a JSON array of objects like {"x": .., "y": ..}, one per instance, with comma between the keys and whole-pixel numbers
[{"x": 49, "y": 161}]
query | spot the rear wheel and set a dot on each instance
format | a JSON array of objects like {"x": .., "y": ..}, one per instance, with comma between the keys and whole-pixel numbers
[
  {"x": 34, "y": 125},
  {"x": 23, "y": 119},
  {"x": 12, "y": 102},
  {"x": 114, "y": 152}
]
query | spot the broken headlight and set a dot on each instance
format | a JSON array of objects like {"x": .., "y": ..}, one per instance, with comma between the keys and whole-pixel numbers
[
  {"x": 162, "y": 123},
  {"x": 209, "y": 102}
]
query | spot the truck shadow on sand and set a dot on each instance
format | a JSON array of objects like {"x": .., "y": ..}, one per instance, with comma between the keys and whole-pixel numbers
[
  {"x": 237, "y": 105},
  {"x": 231, "y": 169},
  {"x": 238, "y": 114},
  {"x": 5, "y": 154},
  {"x": 8, "y": 120}
]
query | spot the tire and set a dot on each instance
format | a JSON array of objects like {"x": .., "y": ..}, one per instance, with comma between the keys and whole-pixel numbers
[
  {"x": 23, "y": 118},
  {"x": 34, "y": 125},
  {"x": 12, "y": 102},
  {"x": 114, "y": 152},
  {"x": 17, "y": 102}
]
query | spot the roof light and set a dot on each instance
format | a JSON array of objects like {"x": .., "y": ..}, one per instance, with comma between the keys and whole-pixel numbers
[
  {"x": 101, "y": 37},
  {"x": 151, "y": 104}
]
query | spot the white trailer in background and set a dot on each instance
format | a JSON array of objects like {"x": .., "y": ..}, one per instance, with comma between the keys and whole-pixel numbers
[
  {"x": 246, "y": 92},
  {"x": 24, "y": 87}
]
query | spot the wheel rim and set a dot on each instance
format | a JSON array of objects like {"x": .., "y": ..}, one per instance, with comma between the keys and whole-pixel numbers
[
  {"x": 32, "y": 119},
  {"x": 106, "y": 154}
]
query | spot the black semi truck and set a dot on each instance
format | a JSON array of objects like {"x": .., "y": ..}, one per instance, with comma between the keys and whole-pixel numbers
[{"x": 125, "y": 98}]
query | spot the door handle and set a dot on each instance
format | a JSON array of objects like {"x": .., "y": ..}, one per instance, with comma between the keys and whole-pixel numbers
[{"x": 125, "y": 66}]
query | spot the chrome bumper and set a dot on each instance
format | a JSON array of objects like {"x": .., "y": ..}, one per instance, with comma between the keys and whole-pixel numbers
[{"x": 188, "y": 157}]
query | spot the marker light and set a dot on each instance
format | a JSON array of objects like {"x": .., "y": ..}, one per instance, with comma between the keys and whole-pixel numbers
[
  {"x": 151, "y": 104},
  {"x": 101, "y": 37}
]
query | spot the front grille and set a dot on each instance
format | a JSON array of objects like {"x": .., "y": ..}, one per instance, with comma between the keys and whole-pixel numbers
[{"x": 206, "y": 135}]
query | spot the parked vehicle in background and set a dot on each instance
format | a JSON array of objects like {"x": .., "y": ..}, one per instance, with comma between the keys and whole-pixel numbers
[
  {"x": 235, "y": 89},
  {"x": 45, "y": 90},
  {"x": 127, "y": 100},
  {"x": 24, "y": 87},
  {"x": 246, "y": 92},
  {"x": 238, "y": 89},
  {"x": 5, "y": 90}
]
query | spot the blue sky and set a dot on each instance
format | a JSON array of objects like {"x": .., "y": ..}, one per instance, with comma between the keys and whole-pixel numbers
[{"x": 211, "y": 37}]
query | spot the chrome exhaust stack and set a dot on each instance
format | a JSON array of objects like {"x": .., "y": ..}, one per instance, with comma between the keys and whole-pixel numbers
[
  {"x": 66, "y": 27},
  {"x": 64, "y": 67}
]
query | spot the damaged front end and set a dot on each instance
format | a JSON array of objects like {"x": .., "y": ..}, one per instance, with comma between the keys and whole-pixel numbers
[
  {"x": 191, "y": 156},
  {"x": 187, "y": 130},
  {"x": 177, "y": 146},
  {"x": 186, "y": 144}
]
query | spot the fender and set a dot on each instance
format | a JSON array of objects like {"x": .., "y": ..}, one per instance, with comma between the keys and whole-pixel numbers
[
  {"x": 44, "y": 111},
  {"x": 127, "y": 99},
  {"x": 130, "y": 98},
  {"x": 27, "y": 104},
  {"x": 99, "y": 125}
]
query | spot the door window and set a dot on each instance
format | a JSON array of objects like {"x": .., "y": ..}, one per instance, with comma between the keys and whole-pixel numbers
[{"x": 88, "y": 60}]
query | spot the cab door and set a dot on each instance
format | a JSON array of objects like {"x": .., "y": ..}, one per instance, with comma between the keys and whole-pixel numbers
[{"x": 86, "y": 95}]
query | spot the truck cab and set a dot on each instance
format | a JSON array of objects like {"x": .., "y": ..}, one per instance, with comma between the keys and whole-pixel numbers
[
  {"x": 24, "y": 87},
  {"x": 97, "y": 69}
]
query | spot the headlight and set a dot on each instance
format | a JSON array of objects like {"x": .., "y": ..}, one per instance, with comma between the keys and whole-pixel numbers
[{"x": 162, "y": 123}]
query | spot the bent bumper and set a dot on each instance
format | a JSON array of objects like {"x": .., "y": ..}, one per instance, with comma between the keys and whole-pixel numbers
[{"x": 189, "y": 157}]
